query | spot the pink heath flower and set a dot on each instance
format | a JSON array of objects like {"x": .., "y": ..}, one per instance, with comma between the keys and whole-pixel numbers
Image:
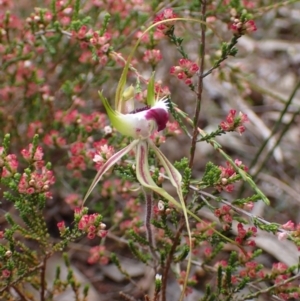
[
  {"x": 98, "y": 254},
  {"x": 279, "y": 268},
  {"x": 234, "y": 123},
  {"x": 239, "y": 28},
  {"x": 61, "y": 227},
  {"x": 103, "y": 152},
  {"x": 6, "y": 273},
  {"x": 288, "y": 226},
  {"x": 33, "y": 154},
  {"x": 282, "y": 236},
  {"x": 248, "y": 206},
  {"x": 165, "y": 15},
  {"x": 250, "y": 26},
  {"x": 185, "y": 71},
  {"x": 53, "y": 138},
  {"x": 152, "y": 56}
]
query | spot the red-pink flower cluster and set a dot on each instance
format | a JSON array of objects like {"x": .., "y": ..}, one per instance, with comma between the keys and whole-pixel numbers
[
  {"x": 54, "y": 139},
  {"x": 185, "y": 71},
  {"x": 248, "y": 206},
  {"x": 97, "y": 255},
  {"x": 64, "y": 12},
  {"x": 8, "y": 163},
  {"x": 165, "y": 15},
  {"x": 203, "y": 228},
  {"x": 249, "y": 3},
  {"x": 221, "y": 263},
  {"x": 152, "y": 57},
  {"x": 289, "y": 229},
  {"x": 6, "y": 4},
  {"x": 101, "y": 153},
  {"x": 89, "y": 122},
  {"x": 158, "y": 138},
  {"x": 38, "y": 181},
  {"x": 74, "y": 200},
  {"x": 225, "y": 216},
  {"x": 245, "y": 3},
  {"x": 252, "y": 270},
  {"x": 279, "y": 268},
  {"x": 116, "y": 188},
  {"x": 33, "y": 154},
  {"x": 91, "y": 224},
  {"x": 228, "y": 175},
  {"x": 134, "y": 223},
  {"x": 82, "y": 33},
  {"x": 129, "y": 218},
  {"x": 35, "y": 127},
  {"x": 82, "y": 155},
  {"x": 101, "y": 43},
  {"x": 150, "y": 39},
  {"x": 234, "y": 123},
  {"x": 191, "y": 282},
  {"x": 61, "y": 227},
  {"x": 161, "y": 91},
  {"x": 290, "y": 226},
  {"x": 42, "y": 19},
  {"x": 124, "y": 8},
  {"x": 244, "y": 235},
  {"x": 280, "y": 273},
  {"x": 239, "y": 28},
  {"x": 79, "y": 158},
  {"x": 6, "y": 273},
  {"x": 173, "y": 128}
]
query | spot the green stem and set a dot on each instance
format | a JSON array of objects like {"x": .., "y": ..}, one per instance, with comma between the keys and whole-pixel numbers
[{"x": 276, "y": 126}]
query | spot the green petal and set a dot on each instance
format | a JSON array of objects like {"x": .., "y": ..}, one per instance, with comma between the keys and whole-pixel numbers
[
  {"x": 121, "y": 86},
  {"x": 120, "y": 121},
  {"x": 108, "y": 164}
]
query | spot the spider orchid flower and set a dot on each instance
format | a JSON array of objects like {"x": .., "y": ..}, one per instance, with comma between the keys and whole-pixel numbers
[{"x": 139, "y": 125}]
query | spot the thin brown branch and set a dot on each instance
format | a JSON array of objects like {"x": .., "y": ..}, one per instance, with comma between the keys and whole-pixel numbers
[
  {"x": 148, "y": 216},
  {"x": 21, "y": 295},
  {"x": 200, "y": 85}
]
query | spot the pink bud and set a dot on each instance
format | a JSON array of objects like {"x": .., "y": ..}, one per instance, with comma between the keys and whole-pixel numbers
[
  {"x": 282, "y": 236},
  {"x": 288, "y": 226}
]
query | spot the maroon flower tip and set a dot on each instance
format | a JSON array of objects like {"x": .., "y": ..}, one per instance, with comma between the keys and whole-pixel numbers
[{"x": 160, "y": 116}]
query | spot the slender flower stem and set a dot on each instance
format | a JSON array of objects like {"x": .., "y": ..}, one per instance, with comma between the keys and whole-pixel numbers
[
  {"x": 200, "y": 85},
  {"x": 149, "y": 205}
]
